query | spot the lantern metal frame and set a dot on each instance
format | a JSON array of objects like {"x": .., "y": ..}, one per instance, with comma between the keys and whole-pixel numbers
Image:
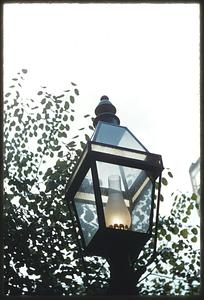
[
  {"x": 120, "y": 247},
  {"x": 113, "y": 237}
]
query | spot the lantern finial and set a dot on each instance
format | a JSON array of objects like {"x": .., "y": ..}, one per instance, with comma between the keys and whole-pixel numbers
[{"x": 105, "y": 111}]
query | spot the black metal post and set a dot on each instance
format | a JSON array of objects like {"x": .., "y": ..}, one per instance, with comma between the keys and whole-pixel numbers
[{"x": 123, "y": 279}]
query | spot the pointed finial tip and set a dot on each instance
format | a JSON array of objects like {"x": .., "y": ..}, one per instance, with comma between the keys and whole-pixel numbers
[
  {"x": 104, "y": 97},
  {"x": 105, "y": 111}
]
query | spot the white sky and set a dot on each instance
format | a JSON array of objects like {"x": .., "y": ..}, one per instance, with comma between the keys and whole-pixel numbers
[{"x": 145, "y": 57}]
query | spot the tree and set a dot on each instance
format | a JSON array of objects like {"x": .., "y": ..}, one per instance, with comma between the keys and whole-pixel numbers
[
  {"x": 42, "y": 253},
  {"x": 176, "y": 270}
]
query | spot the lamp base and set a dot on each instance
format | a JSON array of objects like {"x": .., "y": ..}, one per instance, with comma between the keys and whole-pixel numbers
[{"x": 110, "y": 241}]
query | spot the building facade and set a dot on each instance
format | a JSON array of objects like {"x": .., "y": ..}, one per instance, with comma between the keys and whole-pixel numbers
[{"x": 194, "y": 172}]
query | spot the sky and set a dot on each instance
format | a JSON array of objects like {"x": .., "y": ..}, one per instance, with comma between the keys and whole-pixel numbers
[{"x": 144, "y": 57}]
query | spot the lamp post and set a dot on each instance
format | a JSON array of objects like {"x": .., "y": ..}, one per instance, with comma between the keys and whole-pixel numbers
[{"x": 112, "y": 193}]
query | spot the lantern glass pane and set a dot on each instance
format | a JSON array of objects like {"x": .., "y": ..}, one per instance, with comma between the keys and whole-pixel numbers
[
  {"x": 86, "y": 208},
  {"x": 130, "y": 192},
  {"x": 116, "y": 136},
  {"x": 141, "y": 208}
]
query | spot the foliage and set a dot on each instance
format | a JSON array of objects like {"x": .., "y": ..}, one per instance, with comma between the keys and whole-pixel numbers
[
  {"x": 42, "y": 255},
  {"x": 176, "y": 270}
]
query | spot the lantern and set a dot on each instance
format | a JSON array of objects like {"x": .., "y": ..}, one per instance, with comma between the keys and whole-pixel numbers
[{"x": 112, "y": 190}]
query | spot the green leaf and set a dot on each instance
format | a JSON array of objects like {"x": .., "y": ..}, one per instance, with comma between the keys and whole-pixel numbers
[
  {"x": 24, "y": 71},
  {"x": 194, "y": 230},
  {"x": 180, "y": 267},
  {"x": 174, "y": 245},
  {"x": 87, "y": 137},
  {"x": 41, "y": 126},
  {"x": 61, "y": 127},
  {"x": 83, "y": 145},
  {"x": 72, "y": 118},
  {"x": 163, "y": 231},
  {"x": 39, "y": 149},
  {"x": 57, "y": 148},
  {"x": 65, "y": 118},
  {"x": 9, "y": 157},
  {"x": 190, "y": 206},
  {"x": 194, "y": 196},
  {"x": 48, "y": 105},
  {"x": 60, "y": 154},
  {"x": 43, "y": 101},
  {"x": 168, "y": 237},
  {"x": 184, "y": 233},
  {"x": 7, "y": 94},
  {"x": 16, "y": 112},
  {"x": 164, "y": 181},
  {"x": 76, "y": 92},
  {"x": 22, "y": 201},
  {"x": 39, "y": 93},
  {"x": 71, "y": 99},
  {"x": 49, "y": 186},
  {"x": 170, "y": 174},
  {"x": 38, "y": 116},
  {"x": 71, "y": 144},
  {"x": 13, "y": 123},
  {"x": 63, "y": 134},
  {"x": 66, "y": 105},
  {"x": 175, "y": 230},
  {"x": 194, "y": 239},
  {"x": 161, "y": 197},
  {"x": 78, "y": 152},
  {"x": 73, "y": 83},
  {"x": 60, "y": 96},
  {"x": 44, "y": 135}
]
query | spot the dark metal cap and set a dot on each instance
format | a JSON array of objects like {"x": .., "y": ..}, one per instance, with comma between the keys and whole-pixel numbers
[{"x": 105, "y": 111}]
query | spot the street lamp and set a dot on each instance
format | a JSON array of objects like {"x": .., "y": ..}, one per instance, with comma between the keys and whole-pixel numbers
[{"x": 113, "y": 195}]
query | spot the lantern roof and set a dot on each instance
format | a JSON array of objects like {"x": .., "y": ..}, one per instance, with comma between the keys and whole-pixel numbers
[{"x": 116, "y": 135}]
